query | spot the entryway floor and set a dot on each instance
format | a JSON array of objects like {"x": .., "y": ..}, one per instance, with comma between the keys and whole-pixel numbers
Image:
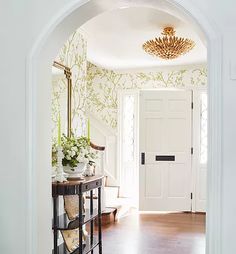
[{"x": 176, "y": 233}]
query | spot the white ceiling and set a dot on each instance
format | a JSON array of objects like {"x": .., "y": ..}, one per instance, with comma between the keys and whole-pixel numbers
[{"x": 115, "y": 38}]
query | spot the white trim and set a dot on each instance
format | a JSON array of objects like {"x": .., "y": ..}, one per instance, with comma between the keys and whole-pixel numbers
[
  {"x": 119, "y": 135},
  {"x": 214, "y": 186},
  {"x": 196, "y": 144},
  {"x": 105, "y": 129},
  {"x": 214, "y": 207},
  {"x": 31, "y": 226},
  {"x": 193, "y": 175},
  {"x": 121, "y": 94}
]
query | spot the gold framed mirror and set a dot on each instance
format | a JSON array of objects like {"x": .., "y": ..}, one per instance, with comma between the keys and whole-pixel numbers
[
  {"x": 62, "y": 92},
  {"x": 63, "y": 72}
]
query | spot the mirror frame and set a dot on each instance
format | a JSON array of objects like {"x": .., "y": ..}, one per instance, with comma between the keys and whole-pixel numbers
[{"x": 68, "y": 74}]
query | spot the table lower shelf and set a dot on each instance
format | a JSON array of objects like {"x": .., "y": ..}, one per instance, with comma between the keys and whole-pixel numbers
[
  {"x": 90, "y": 245},
  {"x": 63, "y": 223}
]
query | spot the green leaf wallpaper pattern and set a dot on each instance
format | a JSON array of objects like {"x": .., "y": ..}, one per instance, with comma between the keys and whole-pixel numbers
[
  {"x": 74, "y": 55},
  {"x": 103, "y": 86},
  {"x": 96, "y": 89},
  {"x": 59, "y": 88}
]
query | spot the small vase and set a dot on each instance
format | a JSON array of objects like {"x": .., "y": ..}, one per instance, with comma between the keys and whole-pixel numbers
[
  {"x": 54, "y": 172},
  {"x": 60, "y": 175},
  {"x": 90, "y": 170},
  {"x": 75, "y": 172}
]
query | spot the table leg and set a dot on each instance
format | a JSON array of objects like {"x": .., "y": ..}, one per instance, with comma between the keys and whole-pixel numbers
[
  {"x": 99, "y": 220},
  {"x": 55, "y": 219},
  {"x": 91, "y": 222},
  {"x": 81, "y": 222}
]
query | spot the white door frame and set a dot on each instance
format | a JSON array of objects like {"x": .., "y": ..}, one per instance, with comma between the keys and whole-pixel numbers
[
  {"x": 38, "y": 65},
  {"x": 121, "y": 94},
  {"x": 195, "y": 130},
  {"x": 196, "y": 144}
]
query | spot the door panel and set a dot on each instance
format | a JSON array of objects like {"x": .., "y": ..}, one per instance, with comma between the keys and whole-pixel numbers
[
  {"x": 165, "y": 138},
  {"x": 176, "y": 180},
  {"x": 154, "y": 177},
  {"x": 154, "y": 142},
  {"x": 154, "y": 105},
  {"x": 176, "y": 129}
]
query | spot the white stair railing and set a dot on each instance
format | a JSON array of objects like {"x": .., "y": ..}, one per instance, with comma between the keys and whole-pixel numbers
[{"x": 101, "y": 149}]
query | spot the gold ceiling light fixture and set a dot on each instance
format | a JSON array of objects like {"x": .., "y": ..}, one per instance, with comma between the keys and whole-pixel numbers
[{"x": 168, "y": 46}]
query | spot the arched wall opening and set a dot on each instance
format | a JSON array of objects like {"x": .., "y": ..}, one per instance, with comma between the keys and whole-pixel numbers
[{"x": 39, "y": 105}]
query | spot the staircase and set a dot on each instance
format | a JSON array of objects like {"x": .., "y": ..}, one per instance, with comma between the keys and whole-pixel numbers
[{"x": 116, "y": 207}]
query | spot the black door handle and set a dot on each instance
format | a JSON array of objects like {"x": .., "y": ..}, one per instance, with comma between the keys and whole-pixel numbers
[{"x": 142, "y": 158}]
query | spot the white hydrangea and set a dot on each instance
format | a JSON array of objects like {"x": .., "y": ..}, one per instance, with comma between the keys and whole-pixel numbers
[
  {"x": 74, "y": 148},
  {"x": 77, "y": 150}
]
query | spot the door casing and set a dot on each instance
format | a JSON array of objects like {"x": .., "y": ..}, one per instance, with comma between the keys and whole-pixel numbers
[{"x": 39, "y": 59}]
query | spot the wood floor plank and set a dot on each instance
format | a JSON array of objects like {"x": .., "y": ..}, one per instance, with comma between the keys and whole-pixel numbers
[{"x": 177, "y": 233}]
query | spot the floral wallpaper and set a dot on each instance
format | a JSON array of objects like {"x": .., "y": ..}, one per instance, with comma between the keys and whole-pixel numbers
[
  {"x": 95, "y": 89},
  {"x": 59, "y": 92},
  {"x": 103, "y": 85},
  {"x": 74, "y": 55}
]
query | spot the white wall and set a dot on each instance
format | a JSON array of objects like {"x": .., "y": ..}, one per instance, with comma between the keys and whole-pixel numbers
[{"x": 21, "y": 22}]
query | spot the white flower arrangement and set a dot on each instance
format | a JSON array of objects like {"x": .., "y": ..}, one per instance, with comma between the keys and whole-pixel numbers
[{"x": 75, "y": 150}]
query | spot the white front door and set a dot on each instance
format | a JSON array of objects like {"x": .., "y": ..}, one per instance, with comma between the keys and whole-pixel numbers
[{"x": 165, "y": 150}]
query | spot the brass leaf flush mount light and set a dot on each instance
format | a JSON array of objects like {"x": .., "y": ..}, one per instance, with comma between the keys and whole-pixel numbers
[{"x": 168, "y": 46}]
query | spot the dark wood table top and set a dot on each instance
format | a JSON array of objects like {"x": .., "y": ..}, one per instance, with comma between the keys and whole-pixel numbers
[{"x": 87, "y": 179}]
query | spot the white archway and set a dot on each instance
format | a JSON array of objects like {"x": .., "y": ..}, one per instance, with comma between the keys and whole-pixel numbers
[{"x": 38, "y": 112}]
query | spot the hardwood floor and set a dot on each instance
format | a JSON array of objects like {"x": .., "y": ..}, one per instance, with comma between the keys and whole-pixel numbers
[{"x": 178, "y": 233}]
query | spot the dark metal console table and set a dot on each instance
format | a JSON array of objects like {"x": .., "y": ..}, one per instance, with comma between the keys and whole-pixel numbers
[{"x": 61, "y": 222}]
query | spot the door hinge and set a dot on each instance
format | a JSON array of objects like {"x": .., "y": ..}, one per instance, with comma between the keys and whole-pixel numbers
[
  {"x": 142, "y": 158},
  {"x": 192, "y": 105},
  {"x": 191, "y": 150},
  {"x": 191, "y": 195}
]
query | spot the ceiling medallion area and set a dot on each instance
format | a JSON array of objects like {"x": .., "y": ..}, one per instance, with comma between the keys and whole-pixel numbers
[{"x": 168, "y": 46}]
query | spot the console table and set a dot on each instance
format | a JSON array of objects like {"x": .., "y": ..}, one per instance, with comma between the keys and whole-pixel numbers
[{"x": 61, "y": 222}]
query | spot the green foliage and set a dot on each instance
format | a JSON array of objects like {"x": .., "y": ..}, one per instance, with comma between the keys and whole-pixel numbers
[{"x": 75, "y": 150}]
